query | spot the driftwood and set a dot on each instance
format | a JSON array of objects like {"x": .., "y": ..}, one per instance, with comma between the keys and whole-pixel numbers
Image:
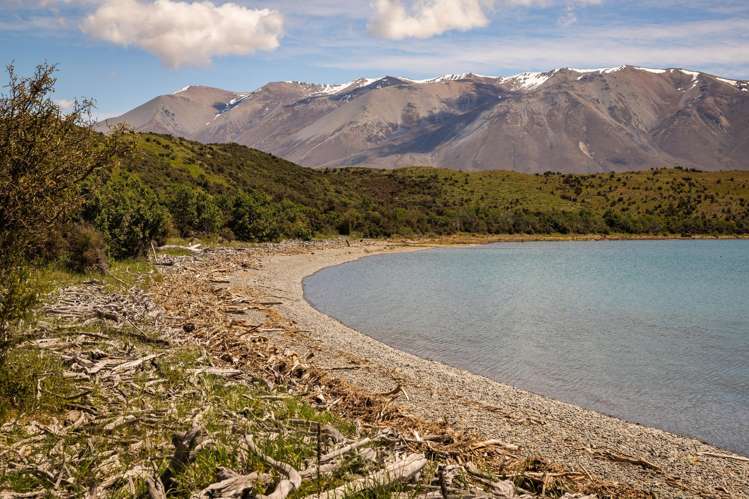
[
  {"x": 221, "y": 372},
  {"x": 19, "y": 495},
  {"x": 725, "y": 456},
  {"x": 623, "y": 458},
  {"x": 184, "y": 453},
  {"x": 504, "y": 488},
  {"x": 192, "y": 311},
  {"x": 401, "y": 470},
  {"x": 285, "y": 486},
  {"x": 494, "y": 443},
  {"x": 155, "y": 488},
  {"x": 324, "y": 467},
  {"x": 134, "y": 364},
  {"x": 320, "y": 470},
  {"x": 343, "y": 450},
  {"x": 231, "y": 485}
]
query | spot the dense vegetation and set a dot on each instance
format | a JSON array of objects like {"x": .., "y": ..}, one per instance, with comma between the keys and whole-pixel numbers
[
  {"x": 45, "y": 156},
  {"x": 243, "y": 193}
]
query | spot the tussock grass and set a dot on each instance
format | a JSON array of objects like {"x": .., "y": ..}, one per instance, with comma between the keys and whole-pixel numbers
[{"x": 32, "y": 381}]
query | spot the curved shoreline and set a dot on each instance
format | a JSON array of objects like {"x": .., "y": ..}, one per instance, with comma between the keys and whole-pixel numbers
[{"x": 559, "y": 431}]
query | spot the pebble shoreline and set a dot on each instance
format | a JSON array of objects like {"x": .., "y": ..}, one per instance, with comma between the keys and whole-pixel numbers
[{"x": 577, "y": 438}]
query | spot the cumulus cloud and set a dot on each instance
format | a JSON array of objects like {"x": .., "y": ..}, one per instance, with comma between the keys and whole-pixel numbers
[
  {"x": 65, "y": 104},
  {"x": 185, "y": 34},
  {"x": 395, "y": 20},
  {"x": 427, "y": 18}
]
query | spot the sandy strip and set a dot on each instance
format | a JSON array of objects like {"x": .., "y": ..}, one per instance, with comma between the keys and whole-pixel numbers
[{"x": 560, "y": 432}]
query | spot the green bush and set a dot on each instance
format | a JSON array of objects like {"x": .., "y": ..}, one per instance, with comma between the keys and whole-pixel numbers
[
  {"x": 129, "y": 215},
  {"x": 253, "y": 218},
  {"x": 45, "y": 156},
  {"x": 87, "y": 250},
  {"x": 294, "y": 222},
  {"x": 194, "y": 211}
]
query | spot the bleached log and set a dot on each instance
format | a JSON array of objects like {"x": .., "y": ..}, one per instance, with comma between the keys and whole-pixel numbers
[
  {"x": 134, "y": 364},
  {"x": 343, "y": 450},
  {"x": 725, "y": 456},
  {"x": 231, "y": 485},
  {"x": 155, "y": 488},
  {"x": 217, "y": 371},
  {"x": 402, "y": 470},
  {"x": 494, "y": 443},
  {"x": 284, "y": 487}
]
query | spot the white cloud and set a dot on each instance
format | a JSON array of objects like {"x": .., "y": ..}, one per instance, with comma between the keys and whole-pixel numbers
[
  {"x": 65, "y": 104},
  {"x": 395, "y": 20},
  {"x": 721, "y": 47},
  {"x": 186, "y": 34},
  {"x": 427, "y": 18}
]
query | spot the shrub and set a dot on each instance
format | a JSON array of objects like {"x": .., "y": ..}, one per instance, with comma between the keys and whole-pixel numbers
[
  {"x": 293, "y": 221},
  {"x": 253, "y": 218},
  {"x": 87, "y": 251},
  {"x": 46, "y": 155},
  {"x": 195, "y": 211},
  {"x": 129, "y": 215}
]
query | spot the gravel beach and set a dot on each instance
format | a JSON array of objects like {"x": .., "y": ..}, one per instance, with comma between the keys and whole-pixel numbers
[{"x": 651, "y": 461}]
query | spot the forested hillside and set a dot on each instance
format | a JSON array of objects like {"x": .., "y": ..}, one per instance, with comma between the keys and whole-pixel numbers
[{"x": 246, "y": 194}]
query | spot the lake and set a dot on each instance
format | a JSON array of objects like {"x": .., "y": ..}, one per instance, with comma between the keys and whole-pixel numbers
[{"x": 654, "y": 332}]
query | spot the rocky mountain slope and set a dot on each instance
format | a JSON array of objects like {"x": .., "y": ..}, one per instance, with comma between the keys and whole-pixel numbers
[{"x": 569, "y": 120}]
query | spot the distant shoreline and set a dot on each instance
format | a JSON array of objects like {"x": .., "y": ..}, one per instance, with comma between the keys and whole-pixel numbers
[
  {"x": 473, "y": 239},
  {"x": 558, "y": 431}
]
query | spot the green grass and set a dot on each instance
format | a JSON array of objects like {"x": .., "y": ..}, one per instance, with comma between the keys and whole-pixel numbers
[
  {"x": 32, "y": 380},
  {"x": 122, "y": 275}
]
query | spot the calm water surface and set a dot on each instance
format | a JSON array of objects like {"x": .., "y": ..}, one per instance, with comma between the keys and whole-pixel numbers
[{"x": 655, "y": 332}]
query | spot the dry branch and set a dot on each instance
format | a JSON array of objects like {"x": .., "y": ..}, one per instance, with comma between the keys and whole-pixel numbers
[
  {"x": 623, "y": 458},
  {"x": 402, "y": 470},
  {"x": 231, "y": 485},
  {"x": 725, "y": 456},
  {"x": 184, "y": 446},
  {"x": 494, "y": 443},
  {"x": 155, "y": 488},
  {"x": 284, "y": 487}
]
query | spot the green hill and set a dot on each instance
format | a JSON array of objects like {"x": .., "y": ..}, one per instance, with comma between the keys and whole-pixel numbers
[{"x": 422, "y": 200}]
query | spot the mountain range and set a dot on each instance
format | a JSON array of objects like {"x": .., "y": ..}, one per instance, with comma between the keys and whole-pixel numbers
[{"x": 567, "y": 120}]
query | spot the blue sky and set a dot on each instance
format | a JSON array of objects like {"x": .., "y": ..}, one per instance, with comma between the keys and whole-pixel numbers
[{"x": 124, "y": 52}]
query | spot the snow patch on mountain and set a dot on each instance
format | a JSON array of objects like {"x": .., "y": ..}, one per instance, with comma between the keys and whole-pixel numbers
[
  {"x": 522, "y": 81},
  {"x": 597, "y": 70},
  {"x": 236, "y": 101},
  {"x": 693, "y": 74},
  {"x": 734, "y": 83},
  {"x": 651, "y": 70},
  {"x": 528, "y": 81},
  {"x": 450, "y": 77}
]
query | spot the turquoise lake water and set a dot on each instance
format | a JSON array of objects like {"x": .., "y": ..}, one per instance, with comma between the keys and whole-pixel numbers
[{"x": 655, "y": 332}]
